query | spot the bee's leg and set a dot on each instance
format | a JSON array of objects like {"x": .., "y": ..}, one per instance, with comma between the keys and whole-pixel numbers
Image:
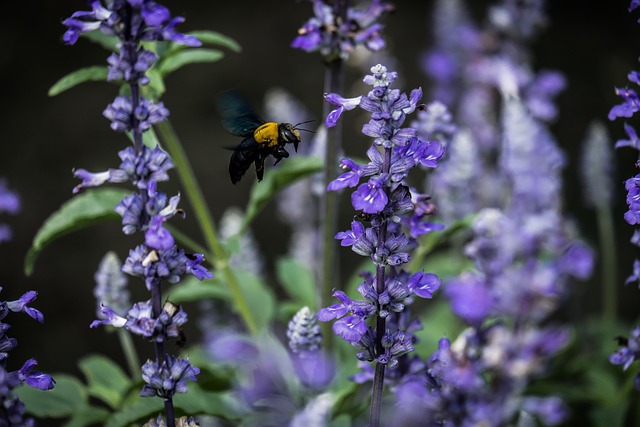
[
  {"x": 279, "y": 154},
  {"x": 260, "y": 167}
]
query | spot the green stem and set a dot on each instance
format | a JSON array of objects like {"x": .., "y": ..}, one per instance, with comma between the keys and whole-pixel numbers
[
  {"x": 330, "y": 269},
  {"x": 609, "y": 278},
  {"x": 205, "y": 221},
  {"x": 130, "y": 354},
  {"x": 376, "y": 396}
]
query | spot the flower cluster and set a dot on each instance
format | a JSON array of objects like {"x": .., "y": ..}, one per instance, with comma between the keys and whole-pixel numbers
[
  {"x": 336, "y": 36},
  {"x": 386, "y": 204},
  {"x": 9, "y": 203},
  {"x": 13, "y": 409},
  {"x": 159, "y": 259},
  {"x": 630, "y": 106}
]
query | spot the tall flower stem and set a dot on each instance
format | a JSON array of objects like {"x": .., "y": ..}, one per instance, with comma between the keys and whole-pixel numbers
[
  {"x": 161, "y": 354},
  {"x": 130, "y": 353},
  {"x": 609, "y": 274},
  {"x": 205, "y": 221},
  {"x": 378, "y": 379},
  {"x": 330, "y": 270}
]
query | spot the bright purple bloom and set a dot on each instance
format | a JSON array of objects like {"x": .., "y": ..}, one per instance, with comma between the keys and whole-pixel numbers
[
  {"x": 156, "y": 236},
  {"x": 168, "y": 378},
  {"x": 33, "y": 378},
  {"x": 385, "y": 204},
  {"x": 337, "y": 38},
  {"x": 632, "y": 142},
  {"x": 122, "y": 116},
  {"x": 344, "y": 104},
  {"x": 21, "y": 305},
  {"x": 629, "y": 107},
  {"x": 370, "y": 197}
]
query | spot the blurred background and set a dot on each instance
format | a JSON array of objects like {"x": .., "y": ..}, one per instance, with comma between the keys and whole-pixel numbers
[{"x": 594, "y": 43}]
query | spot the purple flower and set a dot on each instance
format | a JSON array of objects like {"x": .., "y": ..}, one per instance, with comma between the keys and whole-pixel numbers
[
  {"x": 156, "y": 236},
  {"x": 424, "y": 284},
  {"x": 384, "y": 203},
  {"x": 167, "y": 378},
  {"x": 335, "y": 37},
  {"x": 470, "y": 299},
  {"x": 370, "y": 197},
  {"x": 344, "y": 104},
  {"x": 34, "y": 378},
  {"x": 347, "y": 179},
  {"x": 195, "y": 268},
  {"x": 21, "y": 305},
  {"x": 632, "y": 142},
  {"x": 111, "y": 285},
  {"x": 629, "y": 107},
  {"x": 304, "y": 333},
  {"x": 124, "y": 119}
]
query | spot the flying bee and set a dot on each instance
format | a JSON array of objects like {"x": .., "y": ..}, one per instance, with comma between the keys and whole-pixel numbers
[{"x": 261, "y": 139}]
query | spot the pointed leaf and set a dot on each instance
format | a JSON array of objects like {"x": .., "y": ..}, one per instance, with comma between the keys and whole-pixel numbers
[
  {"x": 109, "y": 43},
  {"x": 68, "y": 396},
  {"x": 197, "y": 401},
  {"x": 89, "y": 416},
  {"x": 298, "y": 281},
  {"x": 181, "y": 58},
  {"x": 105, "y": 379},
  {"x": 215, "y": 38},
  {"x": 93, "y": 73},
  {"x": 192, "y": 289},
  {"x": 259, "y": 297},
  {"x": 136, "y": 412},
  {"x": 81, "y": 211},
  {"x": 275, "y": 180}
]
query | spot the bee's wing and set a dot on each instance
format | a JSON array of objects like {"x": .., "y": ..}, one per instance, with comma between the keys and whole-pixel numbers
[{"x": 238, "y": 118}]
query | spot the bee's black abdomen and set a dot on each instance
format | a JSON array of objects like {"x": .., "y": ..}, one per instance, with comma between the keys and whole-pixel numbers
[{"x": 243, "y": 156}]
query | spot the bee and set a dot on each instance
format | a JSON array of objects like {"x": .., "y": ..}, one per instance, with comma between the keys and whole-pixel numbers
[{"x": 261, "y": 139}]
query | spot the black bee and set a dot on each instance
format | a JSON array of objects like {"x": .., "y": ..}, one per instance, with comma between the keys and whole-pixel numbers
[{"x": 261, "y": 139}]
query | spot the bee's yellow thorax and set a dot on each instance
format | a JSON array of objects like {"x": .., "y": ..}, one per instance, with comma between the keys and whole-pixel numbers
[{"x": 267, "y": 134}]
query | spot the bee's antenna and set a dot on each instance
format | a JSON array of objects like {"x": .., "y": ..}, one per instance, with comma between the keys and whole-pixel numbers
[{"x": 302, "y": 123}]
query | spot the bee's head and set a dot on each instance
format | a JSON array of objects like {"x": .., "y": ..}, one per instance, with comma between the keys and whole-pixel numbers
[{"x": 289, "y": 134}]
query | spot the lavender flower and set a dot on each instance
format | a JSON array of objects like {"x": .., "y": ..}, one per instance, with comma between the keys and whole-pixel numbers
[
  {"x": 9, "y": 203},
  {"x": 168, "y": 378},
  {"x": 304, "y": 333},
  {"x": 336, "y": 37},
  {"x": 13, "y": 408},
  {"x": 147, "y": 210},
  {"x": 111, "y": 285},
  {"x": 386, "y": 201},
  {"x": 314, "y": 369},
  {"x": 597, "y": 166},
  {"x": 628, "y": 353},
  {"x": 631, "y": 105}
]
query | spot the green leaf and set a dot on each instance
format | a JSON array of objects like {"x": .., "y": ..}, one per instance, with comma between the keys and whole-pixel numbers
[
  {"x": 275, "y": 180},
  {"x": 109, "y": 43},
  {"x": 93, "y": 73},
  {"x": 196, "y": 400},
  {"x": 68, "y": 396},
  {"x": 137, "y": 411},
  {"x": 180, "y": 58},
  {"x": 259, "y": 297},
  {"x": 215, "y": 38},
  {"x": 105, "y": 379},
  {"x": 90, "y": 416},
  {"x": 156, "y": 88},
  {"x": 81, "y": 211},
  {"x": 298, "y": 281},
  {"x": 192, "y": 289}
]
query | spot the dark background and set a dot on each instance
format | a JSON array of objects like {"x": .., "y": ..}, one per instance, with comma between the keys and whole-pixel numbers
[{"x": 595, "y": 43}]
